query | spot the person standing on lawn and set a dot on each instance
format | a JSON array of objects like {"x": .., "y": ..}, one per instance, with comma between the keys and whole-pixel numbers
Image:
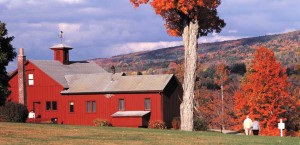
[
  {"x": 255, "y": 126},
  {"x": 247, "y": 125}
]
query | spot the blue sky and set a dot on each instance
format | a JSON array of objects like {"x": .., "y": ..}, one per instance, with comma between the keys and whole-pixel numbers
[{"x": 104, "y": 28}]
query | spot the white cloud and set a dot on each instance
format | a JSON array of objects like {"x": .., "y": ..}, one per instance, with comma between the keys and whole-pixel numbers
[
  {"x": 284, "y": 31},
  {"x": 3, "y": 1},
  {"x": 140, "y": 46},
  {"x": 70, "y": 1},
  {"x": 260, "y": 17},
  {"x": 145, "y": 46},
  {"x": 91, "y": 10},
  {"x": 217, "y": 38},
  {"x": 288, "y": 30},
  {"x": 34, "y": 2},
  {"x": 13, "y": 4},
  {"x": 232, "y": 31},
  {"x": 100, "y": 25},
  {"x": 68, "y": 27}
]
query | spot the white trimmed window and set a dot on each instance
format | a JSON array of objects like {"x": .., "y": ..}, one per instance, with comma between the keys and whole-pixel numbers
[
  {"x": 71, "y": 107},
  {"x": 30, "y": 79}
]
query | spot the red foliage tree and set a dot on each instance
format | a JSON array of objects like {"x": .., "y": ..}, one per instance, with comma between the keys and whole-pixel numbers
[
  {"x": 264, "y": 92},
  {"x": 189, "y": 19}
]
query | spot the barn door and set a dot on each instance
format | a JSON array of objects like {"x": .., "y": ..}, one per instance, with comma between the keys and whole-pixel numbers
[{"x": 37, "y": 109}]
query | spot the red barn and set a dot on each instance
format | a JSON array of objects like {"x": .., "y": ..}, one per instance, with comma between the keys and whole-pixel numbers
[{"x": 77, "y": 92}]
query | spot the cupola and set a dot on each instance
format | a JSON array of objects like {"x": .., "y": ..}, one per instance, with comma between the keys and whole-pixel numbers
[{"x": 61, "y": 53}]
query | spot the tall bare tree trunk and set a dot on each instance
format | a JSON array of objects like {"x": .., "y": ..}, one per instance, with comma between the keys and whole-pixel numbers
[
  {"x": 222, "y": 106},
  {"x": 190, "y": 41}
]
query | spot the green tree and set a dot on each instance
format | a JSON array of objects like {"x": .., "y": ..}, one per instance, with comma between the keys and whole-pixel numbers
[
  {"x": 7, "y": 54},
  {"x": 13, "y": 112}
]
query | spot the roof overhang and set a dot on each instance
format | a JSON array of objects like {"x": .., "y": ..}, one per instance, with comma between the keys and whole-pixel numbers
[
  {"x": 60, "y": 46},
  {"x": 114, "y": 92},
  {"x": 130, "y": 113}
]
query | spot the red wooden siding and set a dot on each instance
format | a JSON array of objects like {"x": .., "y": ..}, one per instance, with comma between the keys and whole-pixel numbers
[
  {"x": 108, "y": 106},
  {"x": 163, "y": 106},
  {"x": 13, "y": 83},
  {"x": 44, "y": 89},
  {"x": 127, "y": 121}
]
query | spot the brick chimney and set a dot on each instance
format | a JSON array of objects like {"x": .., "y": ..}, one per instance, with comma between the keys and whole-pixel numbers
[
  {"x": 61, "y": 53},
  {"x": 21, "y": 77}
]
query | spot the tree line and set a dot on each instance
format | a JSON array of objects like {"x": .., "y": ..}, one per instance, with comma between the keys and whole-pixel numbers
[{"x": 226, "y": 94}]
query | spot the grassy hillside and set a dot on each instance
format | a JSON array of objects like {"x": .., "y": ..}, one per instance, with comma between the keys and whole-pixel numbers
[
  {"x": 286, "y": 47},
  {"x": 20, "y": 133}
]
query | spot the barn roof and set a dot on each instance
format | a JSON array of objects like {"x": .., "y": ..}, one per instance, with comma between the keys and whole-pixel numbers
[
  {"x": 57, "y": 70},
  {"x": 113, "y": 83}
]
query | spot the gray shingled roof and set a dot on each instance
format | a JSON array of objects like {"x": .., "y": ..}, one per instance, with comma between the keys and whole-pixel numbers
[
  {"x": 103, "y": 83},
  {"x": 57, "y": 70}
]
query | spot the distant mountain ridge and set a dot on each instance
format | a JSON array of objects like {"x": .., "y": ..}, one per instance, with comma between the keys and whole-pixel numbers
[{"x": 286, "y": 47}]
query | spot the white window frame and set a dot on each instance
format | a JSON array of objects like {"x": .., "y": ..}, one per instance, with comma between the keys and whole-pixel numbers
[{"x": 30, "y": 80}]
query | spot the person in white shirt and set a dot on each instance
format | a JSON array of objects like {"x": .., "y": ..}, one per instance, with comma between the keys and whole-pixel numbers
[
  {"x": 247, "y": 125},
  {"x": 31, "y": 114},
  {"x": 255, "y": 126}
]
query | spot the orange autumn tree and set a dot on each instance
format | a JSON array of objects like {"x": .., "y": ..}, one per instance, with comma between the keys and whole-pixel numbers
[
  {"x": 188, "y": 19},
  {"x": 264, "y": 92}
]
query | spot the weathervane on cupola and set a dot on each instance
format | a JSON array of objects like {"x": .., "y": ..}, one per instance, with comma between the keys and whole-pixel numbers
[
  {"x": 61, "y": 51},
  {"x": 61, "y": 36}
]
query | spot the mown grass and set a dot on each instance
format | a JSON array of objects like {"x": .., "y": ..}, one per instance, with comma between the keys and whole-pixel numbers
[{"x": 25, "y": 133}]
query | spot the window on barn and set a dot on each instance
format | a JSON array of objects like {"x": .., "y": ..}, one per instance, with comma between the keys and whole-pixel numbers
[
  {"x": 88, "y": 109},
  {"x": 54, "y": 105},
  {"x": 91, "y": 106},
  {"x": 121, "y": 104},
  {"x": 30, "y": 79},
  {"x": 51, "y": 105},
  {"x": 147, "y": 104},
  {"x": 48, "y": 105},
  {"x": 71, "y": 106}
]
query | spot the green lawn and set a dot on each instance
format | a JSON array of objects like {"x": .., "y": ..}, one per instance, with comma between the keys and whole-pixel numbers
[{"x": 25, "y": 133}]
